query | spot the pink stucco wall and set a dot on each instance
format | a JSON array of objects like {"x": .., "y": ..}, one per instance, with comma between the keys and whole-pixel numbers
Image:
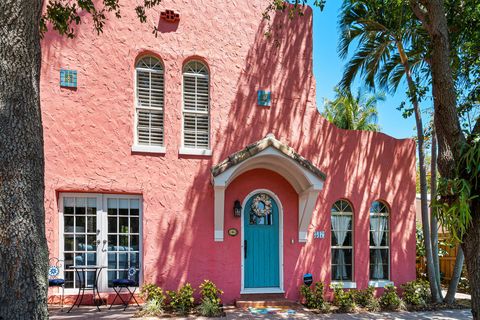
[{"x": 89, "y": 134}]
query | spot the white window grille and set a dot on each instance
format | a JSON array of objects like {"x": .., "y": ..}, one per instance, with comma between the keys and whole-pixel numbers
[
  {"x": 342, "y": 241},
  {"x": 149, "y": 96},
  {"x": 196, "y": 100},
  {"x": 379, "y": 242}
]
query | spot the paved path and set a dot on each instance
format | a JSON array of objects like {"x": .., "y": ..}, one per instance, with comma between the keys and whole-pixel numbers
[{"x": 84, "y": 313}]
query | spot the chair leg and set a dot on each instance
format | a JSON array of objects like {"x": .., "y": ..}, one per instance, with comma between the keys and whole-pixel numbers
[
  {"x": 116, "y": 295},
  {"x": 132, "y": 296},
  {"x": 63, "y": 295},
  {"x": 115, "y": 298}
]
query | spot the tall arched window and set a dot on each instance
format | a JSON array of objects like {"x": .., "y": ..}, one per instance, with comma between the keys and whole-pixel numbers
[
  {"x": 149, "y": 96},
  {"x": 342, "y": 241},
  {"x": 379, "y": 241},
  {"x": 196, "y": 101}
]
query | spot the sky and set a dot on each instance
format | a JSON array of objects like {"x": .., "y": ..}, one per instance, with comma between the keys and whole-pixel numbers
[{"x": 328, "y": 69}]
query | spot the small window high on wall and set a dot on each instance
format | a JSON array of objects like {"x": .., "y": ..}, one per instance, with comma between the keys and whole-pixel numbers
[
  {"x": 379, "y": 242},
  {"x": 149, "y": 105},
  {"x": 196, "y": 109},
  {"x": 342, "y": 241}
]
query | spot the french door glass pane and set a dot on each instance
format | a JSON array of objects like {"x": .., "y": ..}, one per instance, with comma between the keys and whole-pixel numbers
[
  {"x": 123, "y": 237},
  {"x": 79, "y": 242},
  {"x": 84, "y": 222}
]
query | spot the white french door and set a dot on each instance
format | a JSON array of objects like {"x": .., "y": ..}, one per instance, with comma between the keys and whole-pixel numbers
[{"x": 100, "y": 229}]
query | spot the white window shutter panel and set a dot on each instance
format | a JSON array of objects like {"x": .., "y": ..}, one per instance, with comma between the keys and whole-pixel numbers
[
  {"x": 149, "y": 102},
  {"x": 196, "y": 113}
]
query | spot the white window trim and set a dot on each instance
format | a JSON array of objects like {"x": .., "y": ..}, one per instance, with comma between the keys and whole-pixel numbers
[
  {"x": 101, "y": 209},
  {"x": 346, "y": 284},
  {"x": 148, "y": 149},
  {"x": 189, "y": 150},
  {"x": 380, "y": 283},
  {"x": 194, "y": 151},
  {"x": 352, "y": 247},
  {"x": 136, "y": 147}
]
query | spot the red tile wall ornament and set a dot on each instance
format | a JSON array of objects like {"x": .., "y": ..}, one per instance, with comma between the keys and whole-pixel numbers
[{"x": 170, "y": 16}]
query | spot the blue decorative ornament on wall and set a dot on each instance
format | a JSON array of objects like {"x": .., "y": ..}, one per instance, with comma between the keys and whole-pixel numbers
[
  {"x": 307, "y": 279},
  {"x": 68, "y": 78},
  {"x": 264, "y": 98}
]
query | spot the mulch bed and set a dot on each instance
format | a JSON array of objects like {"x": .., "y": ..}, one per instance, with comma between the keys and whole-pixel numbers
[{"x": 459, "y": 304}]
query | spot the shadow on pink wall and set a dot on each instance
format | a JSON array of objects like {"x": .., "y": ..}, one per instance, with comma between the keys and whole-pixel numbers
[{"x": 360, "y": 166}]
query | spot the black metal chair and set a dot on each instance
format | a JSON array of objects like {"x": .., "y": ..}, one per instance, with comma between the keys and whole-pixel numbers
[
  {"x": 119, "y": 284},
  {"x": 53, "y": 276}
]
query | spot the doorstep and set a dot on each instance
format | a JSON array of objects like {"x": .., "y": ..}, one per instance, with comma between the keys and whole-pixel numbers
[{"x": 258, "y": 300}]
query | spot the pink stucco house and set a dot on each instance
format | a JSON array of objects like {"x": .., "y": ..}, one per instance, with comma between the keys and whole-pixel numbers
[{"x": 200, "y": 154}]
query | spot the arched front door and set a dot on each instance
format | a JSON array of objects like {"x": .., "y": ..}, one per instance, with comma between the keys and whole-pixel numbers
[{"x": 261, "y": 242}]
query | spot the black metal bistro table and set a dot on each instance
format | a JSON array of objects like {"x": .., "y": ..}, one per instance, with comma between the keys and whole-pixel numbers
[{"x": 81, "y": 272}]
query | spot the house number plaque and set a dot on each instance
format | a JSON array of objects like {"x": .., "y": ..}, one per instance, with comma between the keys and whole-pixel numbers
[{"x": 319, "y": 235}]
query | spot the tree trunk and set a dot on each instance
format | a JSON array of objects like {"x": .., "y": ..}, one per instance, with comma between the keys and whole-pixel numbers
[
  {"x": 23, "y": 246},
  {"x": 433, "y": 217},
  {"x": 457, "y": 273},
  {"x": 432, "y": 278},
  {"x": 470, "y": 246},
  {"x": 447, "y": 125}
]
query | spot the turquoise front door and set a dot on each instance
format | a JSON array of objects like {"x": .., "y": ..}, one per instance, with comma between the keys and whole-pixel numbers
[{"x": 261, "y": 242}]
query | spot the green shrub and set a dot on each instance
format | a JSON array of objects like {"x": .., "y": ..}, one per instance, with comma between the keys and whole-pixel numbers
[
  {"x": 390, "y": 299},
  {"x": 182, "y": 300},
  {"x": 313, "y": 297},
  {"x": 151, "y": 291},
  {"x": 209, "y": 291},
  {"x": 343, "y": 299},
  {"x": 153, "y": 308},
  {"x": 416, "y": 293},
  {"x": 209, "y": 308},
  {"x": 366, "y": 299}
]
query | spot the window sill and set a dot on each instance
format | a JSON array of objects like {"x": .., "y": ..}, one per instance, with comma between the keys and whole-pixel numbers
[
  {"x": 195, "y": 152},
  {"x": 380, "y": 283},
  {"x": 346, "y": 284},
  {"x": 148, "y": 149}
]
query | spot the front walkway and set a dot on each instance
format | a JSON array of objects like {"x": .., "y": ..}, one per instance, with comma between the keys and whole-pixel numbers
[{"x": 84, "y": 313}]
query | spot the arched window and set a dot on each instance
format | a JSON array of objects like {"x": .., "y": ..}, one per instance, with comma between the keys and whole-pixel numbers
[
  {"x": 196, "y": 101},
  {"x": 149, "y": 96},
  {"x": 379, "y": 241},
  {"x": 342, "y": 241}
]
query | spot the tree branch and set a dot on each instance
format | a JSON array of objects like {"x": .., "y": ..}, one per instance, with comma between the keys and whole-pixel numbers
[
  {"x": 476, "y": 128},
  {"x": 420, "y": 11}
]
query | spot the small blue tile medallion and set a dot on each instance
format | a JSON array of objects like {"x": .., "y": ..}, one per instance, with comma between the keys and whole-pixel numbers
[
  {"x": 264, "y": 98},
  {"x": 68, "y": 78}
]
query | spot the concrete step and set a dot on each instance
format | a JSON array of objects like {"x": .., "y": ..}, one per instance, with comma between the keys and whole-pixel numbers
[
  {"x": 262, "y": 296},
  {"x": 264, "y": 300}
]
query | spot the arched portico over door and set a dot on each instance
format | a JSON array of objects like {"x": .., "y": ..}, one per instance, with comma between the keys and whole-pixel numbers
[{"x": 269, "y": 153}]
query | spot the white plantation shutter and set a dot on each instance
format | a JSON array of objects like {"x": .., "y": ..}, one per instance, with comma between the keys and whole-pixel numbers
[
  {"x": 196, "y": 118},
  {"x": 149, "y": 102}
]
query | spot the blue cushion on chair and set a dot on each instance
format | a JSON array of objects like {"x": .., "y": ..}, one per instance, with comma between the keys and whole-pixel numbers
[
  {"x": 123, "y": 283},
  {"x": 55, "y": 282}
]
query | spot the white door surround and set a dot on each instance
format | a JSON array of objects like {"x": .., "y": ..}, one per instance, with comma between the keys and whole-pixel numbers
[{"x": 280, "y": 245}]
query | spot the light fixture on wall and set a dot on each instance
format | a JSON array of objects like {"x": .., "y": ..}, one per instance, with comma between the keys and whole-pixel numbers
[{"x": 237, "y": 209}]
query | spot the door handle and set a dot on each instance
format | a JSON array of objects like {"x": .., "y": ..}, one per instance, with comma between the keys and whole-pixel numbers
[
  {"x": 103, "y": 247},
  {"x": 245, "y": 249}
]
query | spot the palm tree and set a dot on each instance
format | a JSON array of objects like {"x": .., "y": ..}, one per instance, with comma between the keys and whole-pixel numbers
[
  {"x": 390, "y": 46},
  {"x": 353, "y": 112}
]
